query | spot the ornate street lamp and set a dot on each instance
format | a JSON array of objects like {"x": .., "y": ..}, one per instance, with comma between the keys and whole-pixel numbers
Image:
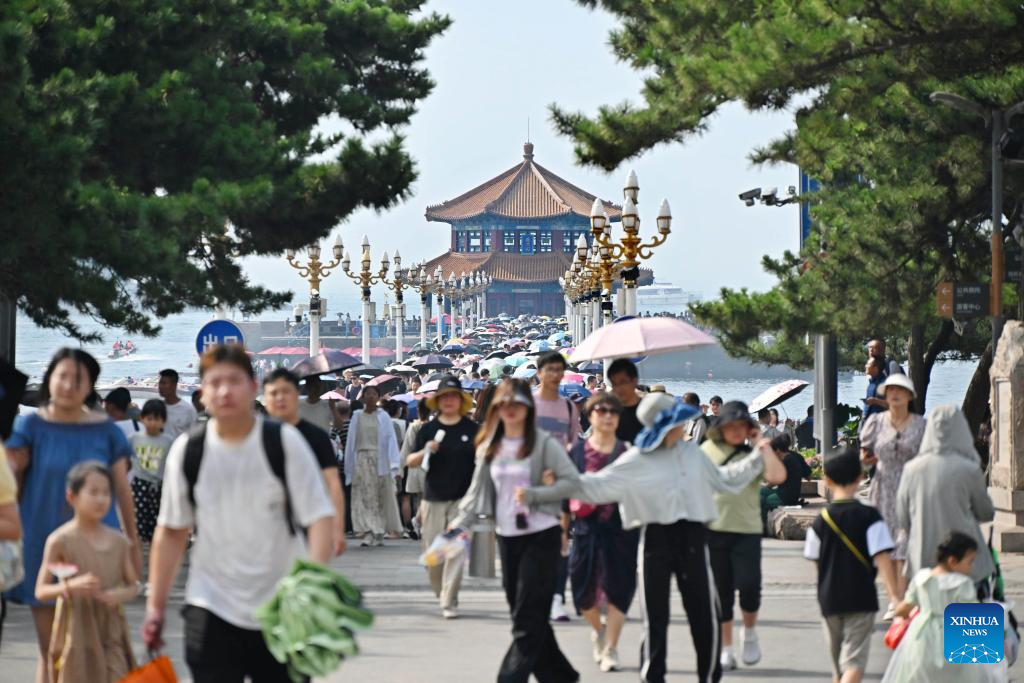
[
  {"x": 630, "y": 249},
  {"x": 424, "y": 284},
  {"x": 400, "y": 282},
  {"x": 366, "y": 279},
  {"x": 314, "y": 271}
]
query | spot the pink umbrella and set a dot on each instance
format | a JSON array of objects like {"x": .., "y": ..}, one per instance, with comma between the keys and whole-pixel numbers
[
  {"x": 781, "y": 392},
  {"x": 333, "y": 396},
  {"x": 638, "y": 337},
  {"x": 574, "y": 378}
]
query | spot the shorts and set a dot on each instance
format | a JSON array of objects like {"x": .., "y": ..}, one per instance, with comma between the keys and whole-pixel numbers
[
  {"x": 736, "y": 565},
  {"x": 849, "y": 640}
]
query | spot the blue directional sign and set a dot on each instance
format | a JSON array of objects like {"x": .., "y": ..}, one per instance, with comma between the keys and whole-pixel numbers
[
  {"x": 218, "y": 332},
  {"x": 807, "y": 185}
]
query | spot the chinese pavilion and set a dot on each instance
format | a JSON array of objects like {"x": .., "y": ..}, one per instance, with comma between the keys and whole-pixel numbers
[{"x": 520, "y": 228}]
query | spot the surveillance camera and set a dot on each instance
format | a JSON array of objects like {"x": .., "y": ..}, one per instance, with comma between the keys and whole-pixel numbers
[
  {"x": 750, "y": 195},
  {"x": 749, "y": 202},
  {"x": 791, "y": 190},
  {"x": 771, "y": 192}
]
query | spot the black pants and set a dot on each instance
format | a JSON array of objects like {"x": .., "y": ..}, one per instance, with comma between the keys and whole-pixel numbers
[
  {"x": 736, "y": 564},
  {"x": 529, "y": 566},
  {"x": 678, "y": 549},
  {"x": 219, "y": 652}
]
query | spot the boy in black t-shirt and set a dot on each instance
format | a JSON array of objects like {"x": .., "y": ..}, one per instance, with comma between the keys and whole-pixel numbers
[{"x": 850, "y": 542}]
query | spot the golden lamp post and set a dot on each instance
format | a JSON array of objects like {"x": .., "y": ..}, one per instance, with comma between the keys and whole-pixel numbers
[
  {"x": 366, "y": 279},
  {"x": 314, "y": 271}
]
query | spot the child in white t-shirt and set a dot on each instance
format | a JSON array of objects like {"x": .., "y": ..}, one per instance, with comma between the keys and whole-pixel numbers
[{"x": 150, "y": 449}]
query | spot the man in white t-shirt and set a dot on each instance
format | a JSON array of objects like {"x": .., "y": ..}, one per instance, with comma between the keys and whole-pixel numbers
[
  {"x": 244, "y": 544},
  {"x": 181, "y": 415},
  {"x": 117, "y": 404}
]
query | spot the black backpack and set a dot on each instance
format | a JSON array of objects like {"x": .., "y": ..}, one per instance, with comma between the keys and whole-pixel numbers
[{"x": 275, "y": 457}]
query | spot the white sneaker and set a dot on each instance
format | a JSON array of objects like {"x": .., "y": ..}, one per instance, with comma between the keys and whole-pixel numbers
[
  {"x": 751, "y": 648},
  {"x": 597, "y": 639},
  {"x": 890, "y": 613},
  {"x": 558, "y": 612},
  {"x": 728, "y": 661},
  {"x": 450, "y": 613},
  {"x": 610, "y": 660}
]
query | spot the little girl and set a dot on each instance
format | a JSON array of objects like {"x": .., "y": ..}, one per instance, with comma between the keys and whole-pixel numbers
[
  {"x": 920, "y": 656},
  {"x": 90, "y": 639}
]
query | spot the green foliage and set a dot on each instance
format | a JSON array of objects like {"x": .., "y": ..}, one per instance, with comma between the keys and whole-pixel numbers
[
  {"x": 905, "y": 198},
  {"x": 147, "y": 145}
]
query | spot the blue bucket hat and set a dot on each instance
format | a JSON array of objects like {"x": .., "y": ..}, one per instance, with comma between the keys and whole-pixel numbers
[{"x": 659, "y": 413}]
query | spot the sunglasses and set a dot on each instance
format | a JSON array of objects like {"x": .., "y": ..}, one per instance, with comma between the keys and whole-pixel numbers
[{"x": 605, "y": 410}]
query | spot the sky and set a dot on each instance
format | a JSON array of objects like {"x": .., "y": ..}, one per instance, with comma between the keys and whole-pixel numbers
[{"x": 497, "y": 69}]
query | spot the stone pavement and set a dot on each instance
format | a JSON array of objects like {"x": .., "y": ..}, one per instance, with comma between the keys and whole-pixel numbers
[{"x": 410, "y": 643}]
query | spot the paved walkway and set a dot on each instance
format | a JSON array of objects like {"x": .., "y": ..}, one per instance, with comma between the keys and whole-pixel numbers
[{"x": 410, "y": 643}]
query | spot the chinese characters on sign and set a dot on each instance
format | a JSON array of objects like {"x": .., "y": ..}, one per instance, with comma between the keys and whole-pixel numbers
[
  {"x": 962, "y": 300},
  {"x": 216, "y": 333}
]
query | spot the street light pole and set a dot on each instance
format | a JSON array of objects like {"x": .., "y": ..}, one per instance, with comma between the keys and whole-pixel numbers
[
  {"x": 998, "y": 119},
  {"x": 398, "y": 285},
  {"x": 365, "y": 279},
  {"x": 314, "y": 271}
]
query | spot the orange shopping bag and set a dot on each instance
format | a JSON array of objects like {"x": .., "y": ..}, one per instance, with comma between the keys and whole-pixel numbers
[{"x": 158, "y": 670}]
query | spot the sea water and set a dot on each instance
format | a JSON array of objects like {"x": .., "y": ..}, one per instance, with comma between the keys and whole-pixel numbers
[{"x": 175, "y": 347}]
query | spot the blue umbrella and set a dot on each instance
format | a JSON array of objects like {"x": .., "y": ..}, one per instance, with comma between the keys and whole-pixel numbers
[
  {"x": 540, "y": 345},
  {"x": 556, "y": 337},
  {"x": 473, "y": 384},
  {"x": 525, "y": 372},
  {"x": 591, "y": 367},
  {"x": 569, "y": 390}
]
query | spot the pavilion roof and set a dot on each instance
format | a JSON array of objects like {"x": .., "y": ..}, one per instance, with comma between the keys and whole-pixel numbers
[
  {"x": 506, "y": 266},
  {"x": 527, "y": 190}
]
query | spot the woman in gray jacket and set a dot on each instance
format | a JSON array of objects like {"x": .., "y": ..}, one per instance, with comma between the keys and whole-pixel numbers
[
  {"x": 943, "y": 490},
  {"x": 511, "y": 454},
  {"x": 664, "y": 485}
]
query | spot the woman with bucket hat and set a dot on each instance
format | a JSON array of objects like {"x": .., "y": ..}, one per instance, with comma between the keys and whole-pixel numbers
[
  {"x": 734, "y": 539},
  {"x": 447, "y": 443},
  {"x": 889, "y": 440},
  {"x": 664, "y": 486}
]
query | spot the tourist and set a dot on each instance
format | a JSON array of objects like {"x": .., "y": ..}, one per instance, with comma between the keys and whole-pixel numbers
[
  {"x": 876, "y": 376},
  {"x": 716, "y": 405},
  {"x": 251, "y": 486},
  {"x": 90, "y": 640},
  {"x": 339, "y": 435},
  {"x": 788, "y": 492},
  {"x": 664, "y": 485},
  {"x": 943, "y": 491},
  {"x": 398, "y": 515},
  {"x": 512, "y": 453},
  {"x": 181, "y": 415},
  {"x": 10, "y": 520},
  {"x": 314, "y": 409},
  {"x": 697, "y": 429},
  {"x": 764, "y": 423},
  {"x": 603, "y": 557},
  {"x": 921, "y": 655},
  {"x": 876, "y": 349},
  {"x": 414, "y": 476},
  {"x": 804, "y": 431},
  {"x": 149, "y": 456},
  {"x": 483, "y": 403},
  {"x": 371, "y": 468},
  {"x": 624, "y": 380},
  {"x": 117, "y": 404},
  {"x": 448, "y": 464},
  {"x": 889, "y": 440},
  {"x": 557, "y": 416},
  {"x": 354, "y": 388},
  {"x": 42, "y": 449},
  {"x": 734, "y": 538},
  {"x": 850, "y": 543},
  {"x": 197, "y": 402},
  {"x": 281, "y": 394}
]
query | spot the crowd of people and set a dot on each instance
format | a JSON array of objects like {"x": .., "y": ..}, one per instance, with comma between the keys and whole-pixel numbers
[{"x": 611, "y": 493}]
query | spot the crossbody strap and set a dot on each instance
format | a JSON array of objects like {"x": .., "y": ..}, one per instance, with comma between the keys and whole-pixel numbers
[{"x": 845, "y": 539}]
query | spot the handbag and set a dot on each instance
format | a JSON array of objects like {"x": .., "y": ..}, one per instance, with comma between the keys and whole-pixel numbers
[
  {"x": 157, "y": 670},
  {"x": 898, "y": 629},
  {"x": 12, "y": 568}
]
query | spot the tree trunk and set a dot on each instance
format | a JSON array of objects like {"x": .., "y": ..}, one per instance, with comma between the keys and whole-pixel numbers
[
  {"x": 921, "y": 360},
  {"x": 976, "y": 406}
]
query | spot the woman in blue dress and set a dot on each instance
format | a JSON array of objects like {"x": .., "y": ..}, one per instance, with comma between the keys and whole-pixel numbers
[{"x": 42, "y": 449}]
